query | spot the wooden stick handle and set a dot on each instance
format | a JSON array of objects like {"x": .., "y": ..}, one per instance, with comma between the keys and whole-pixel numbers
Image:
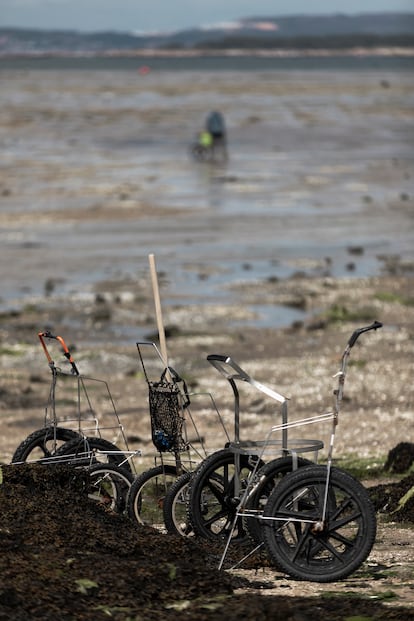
[{"x": 158, "y": 311}]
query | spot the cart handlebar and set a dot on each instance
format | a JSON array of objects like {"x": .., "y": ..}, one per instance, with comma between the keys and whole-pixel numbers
[
  {"x": 48, "y": 335},
  {"x": 223, "y": 363},
  {"x": 374, "y": 326}
]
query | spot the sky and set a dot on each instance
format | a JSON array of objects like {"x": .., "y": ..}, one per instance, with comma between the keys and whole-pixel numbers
[{"x": 168, "y": 15}]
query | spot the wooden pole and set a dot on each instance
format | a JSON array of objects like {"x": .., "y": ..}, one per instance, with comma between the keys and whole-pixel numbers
[{"x": 158, "y": 311}]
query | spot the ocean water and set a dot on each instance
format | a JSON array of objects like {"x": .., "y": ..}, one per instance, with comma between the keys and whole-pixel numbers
[{"x": 213, "y": 63}]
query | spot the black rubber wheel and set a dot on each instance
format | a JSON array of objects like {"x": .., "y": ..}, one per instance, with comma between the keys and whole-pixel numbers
[
  {"x": 268, "y": 477},
  {"x": 109, "y": 484},
  {"x": 304, "y": 544},
  {"x": 175, "y": 507},
  {"x": 87, "y": 449},
  {"x": 213, "y": 499},
  {"x": 200, "y": 153},
  {"x": 145, "y": 498},
  {"x": 42, "y": 443}
]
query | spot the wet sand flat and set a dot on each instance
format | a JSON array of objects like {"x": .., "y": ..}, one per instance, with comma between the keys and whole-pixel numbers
[
  {"x": 311, "y": 217},
  {"x": 95, "y": 174}
]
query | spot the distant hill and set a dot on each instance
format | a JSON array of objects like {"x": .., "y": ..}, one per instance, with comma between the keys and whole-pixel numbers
[{"x": 301, "y": 31}]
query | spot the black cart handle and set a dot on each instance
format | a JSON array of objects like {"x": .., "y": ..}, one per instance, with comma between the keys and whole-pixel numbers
[{"x": 374, "y": 326}]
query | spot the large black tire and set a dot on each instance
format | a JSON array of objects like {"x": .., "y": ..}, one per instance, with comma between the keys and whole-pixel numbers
[
  {"x": 213, "y": 499},
  {"x": 109, "y": 484},
  {"x": 268, "y": 477},
  {"x": 42, "y": 443},
  {"x": 175, "y": 510},
  {"x": 87, "y": 449},
  {"x": 301, "y": 542},
  {"x": 145, "y": 498}
]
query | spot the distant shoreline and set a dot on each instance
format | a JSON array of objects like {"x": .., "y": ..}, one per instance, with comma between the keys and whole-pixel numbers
[{"x": 234, "y": 52}]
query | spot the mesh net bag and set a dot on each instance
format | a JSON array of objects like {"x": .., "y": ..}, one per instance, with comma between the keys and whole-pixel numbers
[{"x": 166, "y": 406}]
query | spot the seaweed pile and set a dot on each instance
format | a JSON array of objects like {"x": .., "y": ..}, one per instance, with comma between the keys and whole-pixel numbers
[{"x": 65, "y": 557}]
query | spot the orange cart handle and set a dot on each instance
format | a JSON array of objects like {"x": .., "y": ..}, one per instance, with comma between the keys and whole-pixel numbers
[{"x": 48, "y": 335}]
